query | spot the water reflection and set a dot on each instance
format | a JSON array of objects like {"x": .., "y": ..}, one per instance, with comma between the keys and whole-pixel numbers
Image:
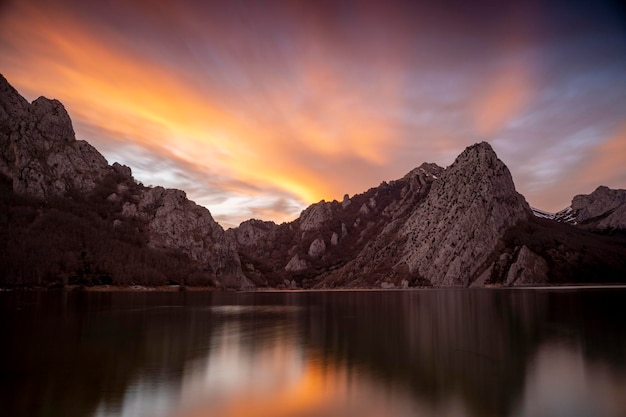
[{"x": 428, "y": 353}]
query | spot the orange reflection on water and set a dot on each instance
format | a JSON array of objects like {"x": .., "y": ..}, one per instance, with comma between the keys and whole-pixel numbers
[
  {"x": 308, "y": 393},
  {"x": 277, "y": 378}
]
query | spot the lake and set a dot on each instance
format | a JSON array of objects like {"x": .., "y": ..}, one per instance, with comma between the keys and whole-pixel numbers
[{"x": 436, "y": 352}]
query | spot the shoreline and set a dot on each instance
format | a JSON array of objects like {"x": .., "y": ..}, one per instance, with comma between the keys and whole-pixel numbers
[
  {"x": 182, "y": 288},
  {"x": 115, "y": 288}
]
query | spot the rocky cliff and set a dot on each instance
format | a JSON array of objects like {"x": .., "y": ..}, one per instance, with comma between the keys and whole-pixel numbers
[
  {"x": 447, "y": 238},
  {"x": 451, "y": 235},
  {"x": 40, "y": 158},
  {"x": 604, "y": 209},
  {"x": 39, "y": 152},
  {"x": 174, "y": 222}
]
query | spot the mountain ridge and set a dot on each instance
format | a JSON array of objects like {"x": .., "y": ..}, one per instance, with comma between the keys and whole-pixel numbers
[{"x": 464, "y": 225}]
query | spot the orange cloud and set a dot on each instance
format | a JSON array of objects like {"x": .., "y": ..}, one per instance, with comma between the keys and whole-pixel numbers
[
  {"x": 607, "y": 163},
  {"x": 107, "y": 85},
  {"x": 603, "y": 163},
  {"x": 505, "y": 96},
  {"x": 304, "y": 101}
]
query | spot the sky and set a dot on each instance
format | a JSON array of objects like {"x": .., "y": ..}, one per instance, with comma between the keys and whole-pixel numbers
[{"x": 259, "y": 108}]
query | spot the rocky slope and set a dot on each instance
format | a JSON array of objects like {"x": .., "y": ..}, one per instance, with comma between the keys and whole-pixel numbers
[
  {"x": 174, "y": 222},
  {"x": 329, "y": 235},
  {"x": 434, "y": 226},
  {"x": 604, "y": 209},
  {"x": 41, "y": 159},
  {"x": 450, "y": 236}
]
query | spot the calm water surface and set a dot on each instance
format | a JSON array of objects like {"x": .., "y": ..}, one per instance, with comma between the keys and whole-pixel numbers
[{"x": 398, "y": 353}]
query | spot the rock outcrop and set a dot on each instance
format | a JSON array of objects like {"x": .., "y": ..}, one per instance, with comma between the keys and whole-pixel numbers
[
  {"x": 528, "y": 269},
  {"x": 603, "y": 209},
  {"x": 39, "y": 152},
  {"x": 251, "y": 232},
  {"x": 296, "y": 264},
  {"x": 315, "y": 215},
  {"x": 174, "y": 222},
  {"x": 452, "y": 234},
  {"x": 317, "y": 248}
]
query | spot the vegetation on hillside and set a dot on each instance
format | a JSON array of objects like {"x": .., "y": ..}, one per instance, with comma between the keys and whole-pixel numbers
[{"x": 83, "y": 239}]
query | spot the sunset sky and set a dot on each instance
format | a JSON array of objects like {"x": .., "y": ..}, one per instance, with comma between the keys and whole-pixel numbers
[{"x": 260, "y": 108}]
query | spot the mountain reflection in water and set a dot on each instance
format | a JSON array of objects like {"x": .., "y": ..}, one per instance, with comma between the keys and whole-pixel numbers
[{"x": 397, "y": 353}]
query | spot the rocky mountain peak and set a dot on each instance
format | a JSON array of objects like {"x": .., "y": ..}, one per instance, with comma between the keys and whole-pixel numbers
[
  {"x": 315, "y": 215},
  {"x": 12, "y": 104},
  {"x": 603, "y": 209},
  {"x": 40, "y": 157},
  {"x": 39, "y": 151},
  {"x": 463, "y": 218},
  {"x": 52, "y": 118},
  {"x": 426, "y": 168}
]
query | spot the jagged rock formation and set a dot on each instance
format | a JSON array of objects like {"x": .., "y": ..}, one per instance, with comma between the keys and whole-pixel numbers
[
  {"x": 445, "y": 239},
  {"x": 40, "y": 158},
  {"x": 603, "y": 209},
  {"x": 465, "y": 214},
  {"x": 520, "y": 268},
  {"x": 529, "y": 268},
  {"x": 39, "y": 152},
  {"x": 174, "y": 222}
]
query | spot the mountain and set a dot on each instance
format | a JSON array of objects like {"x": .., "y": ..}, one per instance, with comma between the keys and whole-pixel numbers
[
  {"x": 460, "y": 226},
  {"x": 327, "y": 235},
  {"x": 69, "y": 217},
  {"x": 39, "y": 152},
  {"x": 602, "y": 210}
]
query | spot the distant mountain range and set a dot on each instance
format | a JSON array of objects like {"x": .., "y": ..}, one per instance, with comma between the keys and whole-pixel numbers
[{"x": 68, "y": 217}]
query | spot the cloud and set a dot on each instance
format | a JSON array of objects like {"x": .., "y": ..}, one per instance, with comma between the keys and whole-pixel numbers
[
  {"x": 104, "y": 84},
  {"x": 261, "y": 109},
  {"x": 505, "y": 96},
  {"x": 278, "y": 209},
  {"x": 607, "y": 162}
]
